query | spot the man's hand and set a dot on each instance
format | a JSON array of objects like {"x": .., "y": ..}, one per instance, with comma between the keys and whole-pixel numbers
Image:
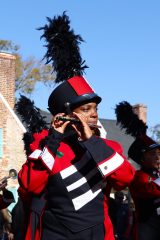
[
  {"x": 8, "y": 231},
  {"x": 7, "y": 227},
  {"x": 10, "y": 236}
]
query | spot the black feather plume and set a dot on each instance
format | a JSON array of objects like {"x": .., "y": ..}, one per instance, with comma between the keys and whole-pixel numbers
[
  {"x": 32, "y": 119},
  {"x": 63, "y": 48},
  {"x": 129, "y": 120},
  {"x": 30, "y": 114}
]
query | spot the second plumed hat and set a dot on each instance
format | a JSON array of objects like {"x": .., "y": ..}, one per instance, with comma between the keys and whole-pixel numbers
[{"x": 135, "y": 127}]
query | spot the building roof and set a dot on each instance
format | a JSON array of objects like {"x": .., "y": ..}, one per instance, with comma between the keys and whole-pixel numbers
[{"x": 114, "y": 132}]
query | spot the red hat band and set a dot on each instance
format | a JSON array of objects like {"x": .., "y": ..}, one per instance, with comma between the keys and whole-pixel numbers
[{"x": 80, "y": 85}]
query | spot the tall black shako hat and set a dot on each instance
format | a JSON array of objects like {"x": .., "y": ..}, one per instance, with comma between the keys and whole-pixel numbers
[
  {"x": 63, "y": 52},
  {"x": 135, "y": 127}
]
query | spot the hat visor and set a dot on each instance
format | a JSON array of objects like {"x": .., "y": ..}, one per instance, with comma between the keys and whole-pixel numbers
[
  {"x": 83, "y": 99},
  {"x": 153, "y": 146}
]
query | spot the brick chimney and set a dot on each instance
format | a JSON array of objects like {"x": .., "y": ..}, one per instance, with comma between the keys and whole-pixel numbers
[
  {"x": 7, "y": 77},
  {"x": 141, "y": 111}
]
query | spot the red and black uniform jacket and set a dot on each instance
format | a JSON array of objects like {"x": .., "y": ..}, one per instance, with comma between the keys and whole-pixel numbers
[
  {"x": 145, "y": 191},
  {"x": 76, "y": 177}
]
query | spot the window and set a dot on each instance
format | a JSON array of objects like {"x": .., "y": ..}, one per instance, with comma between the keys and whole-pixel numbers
[{"x": 1, "y": 142}]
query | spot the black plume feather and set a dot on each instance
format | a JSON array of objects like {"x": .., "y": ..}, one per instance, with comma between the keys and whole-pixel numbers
[
  {"x": 129, "y": 120},
  {"x": 30, "y": 114},
  {"x": 31, "y": 117},
  {"x": 63, "y": 48}
]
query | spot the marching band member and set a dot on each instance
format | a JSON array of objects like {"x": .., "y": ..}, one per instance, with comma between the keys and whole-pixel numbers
[
  {"x": 65, "y": 179},
  {"x": 145, "y": 188}
]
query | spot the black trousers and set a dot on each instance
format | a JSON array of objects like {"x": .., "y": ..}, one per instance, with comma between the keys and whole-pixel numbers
[{"x": 56, "y": 231}]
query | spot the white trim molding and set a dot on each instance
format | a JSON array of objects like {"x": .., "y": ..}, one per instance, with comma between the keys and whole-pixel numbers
[
  {"x": 157, "y": 181},
  {"x": 12, "y": 113}
]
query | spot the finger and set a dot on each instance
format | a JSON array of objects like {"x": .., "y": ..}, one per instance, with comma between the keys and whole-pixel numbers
[
  {"x": 66, "y": 123},
  {"x": 78, "y": 116},
  {"x": 75, "y": 127},
  {"x": 55, "y": 119}
]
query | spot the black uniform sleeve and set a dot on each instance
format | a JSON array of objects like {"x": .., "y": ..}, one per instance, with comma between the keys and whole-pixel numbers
[
  {"x": 53, "y": 140},
  {"x": 106, "y": 158},
  {"x": 98, "y": 149}
]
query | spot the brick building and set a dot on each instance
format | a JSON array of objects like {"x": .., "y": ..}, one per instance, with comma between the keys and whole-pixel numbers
[{"x": 12, "y": 153}]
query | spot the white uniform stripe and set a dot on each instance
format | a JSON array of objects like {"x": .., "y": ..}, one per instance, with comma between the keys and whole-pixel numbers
[
  {"x": 47, "y": 158},
  {"x": 110, "y": 165},
  {"x": 76, "y": 184},
  {"x": 35, "y": 154},
  {"x": 83, "y": 199},
  {"x": 72, "y": 169},
  {"x": 68, "y": 171},
  {"x": 157, "y": 181},
  {"x": 81, "y": 181}
]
